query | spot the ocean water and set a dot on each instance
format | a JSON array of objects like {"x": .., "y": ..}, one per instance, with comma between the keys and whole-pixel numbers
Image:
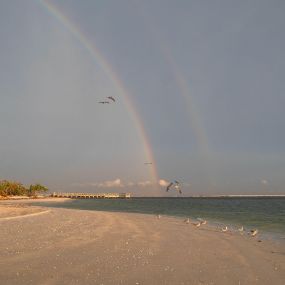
[{"x": 266, "y": 214}]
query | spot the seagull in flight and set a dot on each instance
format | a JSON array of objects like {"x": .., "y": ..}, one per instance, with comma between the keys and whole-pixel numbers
[
  {"x": 176, "y": 186},
  {"x": 168, "y": 187},
  {"x": 111, "y": 98}
]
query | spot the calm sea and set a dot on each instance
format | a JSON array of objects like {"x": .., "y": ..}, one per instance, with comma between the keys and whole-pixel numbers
[{"x": 266, "y": 214}]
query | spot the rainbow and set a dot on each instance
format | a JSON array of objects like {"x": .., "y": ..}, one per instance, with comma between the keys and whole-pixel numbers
[
  {"x": 97, "y": 56},
  {"x": 195, "y": 121}
]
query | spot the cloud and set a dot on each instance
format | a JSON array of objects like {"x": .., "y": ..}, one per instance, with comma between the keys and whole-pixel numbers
[
  {"x": 111, "y": 183},
  {"x": 105, "y": 184},
  {"x": 144, "y": 183},
  {"x": 163, "y": 182},
  {"x": 119, "y": 183}
]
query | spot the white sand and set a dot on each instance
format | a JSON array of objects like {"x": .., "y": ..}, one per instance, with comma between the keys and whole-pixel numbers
[{"x": 87, "y": 247}]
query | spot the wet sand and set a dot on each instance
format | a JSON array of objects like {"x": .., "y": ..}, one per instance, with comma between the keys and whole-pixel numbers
[{"x": 63, "y": 246}]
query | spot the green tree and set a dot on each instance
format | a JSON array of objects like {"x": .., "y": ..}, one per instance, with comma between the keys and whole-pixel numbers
[
  {"x": 11, "y": 188},
  {"x": 34, "y": 189}
]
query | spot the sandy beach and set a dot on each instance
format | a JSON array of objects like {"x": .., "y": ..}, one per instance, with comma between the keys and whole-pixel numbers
[{"x": 41, "y": 245}]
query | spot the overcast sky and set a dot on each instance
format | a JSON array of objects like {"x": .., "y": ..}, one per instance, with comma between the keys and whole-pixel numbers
[{"x": 205, "y": 78}]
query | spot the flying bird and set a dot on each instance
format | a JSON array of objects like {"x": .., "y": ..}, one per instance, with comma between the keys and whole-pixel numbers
[
  {"x": 168, "y": 187},
  {"x": 111, "y": 98},
  {"x": 148, "y": 163},
  {"x": 104, "y": 102},
  {"x": 176, "y": 186}
]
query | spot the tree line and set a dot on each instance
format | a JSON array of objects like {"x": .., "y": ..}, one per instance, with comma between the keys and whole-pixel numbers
[{"x": 13, "y": 188}]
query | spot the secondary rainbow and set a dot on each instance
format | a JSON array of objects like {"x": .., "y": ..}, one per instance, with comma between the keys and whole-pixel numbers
[{"x": 118, "y": 84}]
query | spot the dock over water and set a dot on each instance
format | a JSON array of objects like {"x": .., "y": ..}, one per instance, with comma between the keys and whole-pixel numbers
[{"x": 91, "y": 195}]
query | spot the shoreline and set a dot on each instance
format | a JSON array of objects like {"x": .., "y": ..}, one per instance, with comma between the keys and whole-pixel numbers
[
  {"x": 69, "y": 246},
  {"x": 214, "y": 224}
]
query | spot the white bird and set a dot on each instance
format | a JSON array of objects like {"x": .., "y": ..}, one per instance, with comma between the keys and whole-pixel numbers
[
  {"x": 158, "y": 216},
  {"x": 197, "y": 224},
  {"x": 241, "y": 229},
  {"x": 176, "y": 186},
  {"x": 254, "y": 232},
  {"x": 204, "y": 222},
  {"x": 225, "y": 229},
  {"x": 187, "y": 221}
]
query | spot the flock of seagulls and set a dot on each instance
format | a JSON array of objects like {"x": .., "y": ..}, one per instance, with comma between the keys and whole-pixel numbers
[
  {"x": 176, "y": 186},
  {"x": 224, "y": 229},
  {"x": 241, "y": 230},
  {"x": 200, "y": 223}
]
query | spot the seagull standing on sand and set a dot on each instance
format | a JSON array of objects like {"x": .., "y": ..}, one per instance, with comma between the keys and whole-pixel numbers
[
  {"x": 197, "y": 224},
  {"x": 254, "y": 232},
  {"x": 225, "y": 229}
]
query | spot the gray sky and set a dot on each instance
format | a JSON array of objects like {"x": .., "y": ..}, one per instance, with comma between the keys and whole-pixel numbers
[{"x": 206, "y": 79}]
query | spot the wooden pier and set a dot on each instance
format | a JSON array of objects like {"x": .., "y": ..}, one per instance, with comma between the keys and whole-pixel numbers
[{"x": 91, "y": 195}]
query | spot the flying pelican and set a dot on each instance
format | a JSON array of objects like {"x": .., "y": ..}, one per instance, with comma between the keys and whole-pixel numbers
[
  {"x": 111, "y": 98},
  {"x": 104, "y": 102},
  {"x": 225, "y": 229},
  {"x": 254, "y": 232}
]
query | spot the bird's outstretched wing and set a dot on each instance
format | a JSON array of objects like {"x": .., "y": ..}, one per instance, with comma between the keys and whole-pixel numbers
[
  {"x": 111, "y": 98},
  {"x": 168, "y": 187}
]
